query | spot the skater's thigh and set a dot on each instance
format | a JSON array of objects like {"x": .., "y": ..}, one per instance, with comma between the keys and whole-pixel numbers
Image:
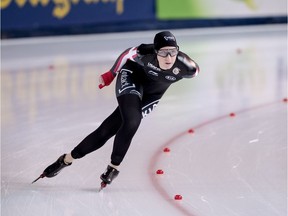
[{"x": 130, "y": 108}]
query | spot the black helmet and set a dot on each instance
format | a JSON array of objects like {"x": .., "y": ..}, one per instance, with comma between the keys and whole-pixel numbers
[{"x": 164, "y": 38}]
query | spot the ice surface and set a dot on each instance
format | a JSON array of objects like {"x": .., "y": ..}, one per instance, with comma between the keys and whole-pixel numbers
[{"x": 229, "y": 166}]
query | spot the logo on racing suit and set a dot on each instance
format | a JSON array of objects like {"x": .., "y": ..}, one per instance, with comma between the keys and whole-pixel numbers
[
  {"x": 153, "y": 73},
  {"x": 125, "y": 81},
  {"x": 149, "y": 108},
  {"x": 171, "y": 78},
  {"x": 124, "y": 75},
  {"x": 153, "y": 66},
  {"x": 176, "y": 71}
]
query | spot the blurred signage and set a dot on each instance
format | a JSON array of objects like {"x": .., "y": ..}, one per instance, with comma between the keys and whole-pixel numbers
[
  {"x": 46, "y": 13},
  {"x": 195, "y": 9}
]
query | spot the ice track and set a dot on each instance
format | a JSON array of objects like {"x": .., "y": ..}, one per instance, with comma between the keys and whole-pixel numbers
[{"x": 226, "y": 129}]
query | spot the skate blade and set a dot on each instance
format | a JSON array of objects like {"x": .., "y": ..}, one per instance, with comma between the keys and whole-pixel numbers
[
  {"x": 103, "y": 185},
  {"x": 41, "y": 176}
]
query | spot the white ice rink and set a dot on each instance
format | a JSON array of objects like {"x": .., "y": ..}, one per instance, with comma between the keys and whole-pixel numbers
[{"x": 221, "y": 164}]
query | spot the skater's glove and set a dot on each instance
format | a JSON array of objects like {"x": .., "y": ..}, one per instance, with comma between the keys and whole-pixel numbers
[{"x": 106, "y": 79}]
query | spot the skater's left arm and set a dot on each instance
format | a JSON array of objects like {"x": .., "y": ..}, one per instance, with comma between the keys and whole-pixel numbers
[{"x": 191, "y": 67}]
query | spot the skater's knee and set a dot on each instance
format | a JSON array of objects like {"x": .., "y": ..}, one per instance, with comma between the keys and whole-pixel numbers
[{"x": 132, "y": 124}]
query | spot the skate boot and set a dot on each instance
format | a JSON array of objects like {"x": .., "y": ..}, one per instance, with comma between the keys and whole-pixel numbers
[
  {"x": 53, "y": 169},
  {"x": 108, "y": 176}
]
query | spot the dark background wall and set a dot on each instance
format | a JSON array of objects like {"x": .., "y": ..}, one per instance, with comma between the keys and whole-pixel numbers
[{"x": 26, "y": 18}]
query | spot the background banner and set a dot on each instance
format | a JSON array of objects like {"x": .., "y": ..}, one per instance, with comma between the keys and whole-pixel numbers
[
  {"x": 26, "y": 18},
  {"x": 47, "y": 13},
  {"x": 187, "y": 9}
]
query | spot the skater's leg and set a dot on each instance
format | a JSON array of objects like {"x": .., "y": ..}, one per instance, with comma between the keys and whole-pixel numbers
[
  {"x": 92, "y": 142},
  {"x": 130, "y": 108},
  {"x": 99, "y": 137}
]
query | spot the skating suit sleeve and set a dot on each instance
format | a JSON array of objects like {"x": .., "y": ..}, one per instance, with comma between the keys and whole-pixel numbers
[
  {"x": 188, "y": 67},
  {"x": 128, "y": 54},
  {"x": 133, "y": 54}
]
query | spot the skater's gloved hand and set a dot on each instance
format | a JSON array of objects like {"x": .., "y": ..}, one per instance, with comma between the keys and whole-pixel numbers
[{"x": 106, "y": 79}]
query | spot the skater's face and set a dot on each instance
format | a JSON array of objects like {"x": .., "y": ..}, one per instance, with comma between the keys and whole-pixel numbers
[{"x": 166, "y": 57}]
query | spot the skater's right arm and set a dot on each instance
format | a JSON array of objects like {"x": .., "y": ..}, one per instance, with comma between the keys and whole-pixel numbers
[
  {"x": 133, "y": 54},
  {"x": 107, "y": 78}
]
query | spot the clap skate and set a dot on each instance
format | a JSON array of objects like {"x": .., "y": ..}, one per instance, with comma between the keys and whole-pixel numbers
[
  {"x": 53, "y": 169},
  {"x": 108, "y": 176}
]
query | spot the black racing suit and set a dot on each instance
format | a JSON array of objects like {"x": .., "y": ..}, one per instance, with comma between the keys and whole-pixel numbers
[{"x": 139, "y": 87}]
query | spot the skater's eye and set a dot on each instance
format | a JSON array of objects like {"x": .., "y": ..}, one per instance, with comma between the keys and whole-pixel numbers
[{"x": 166, "y": 52}]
